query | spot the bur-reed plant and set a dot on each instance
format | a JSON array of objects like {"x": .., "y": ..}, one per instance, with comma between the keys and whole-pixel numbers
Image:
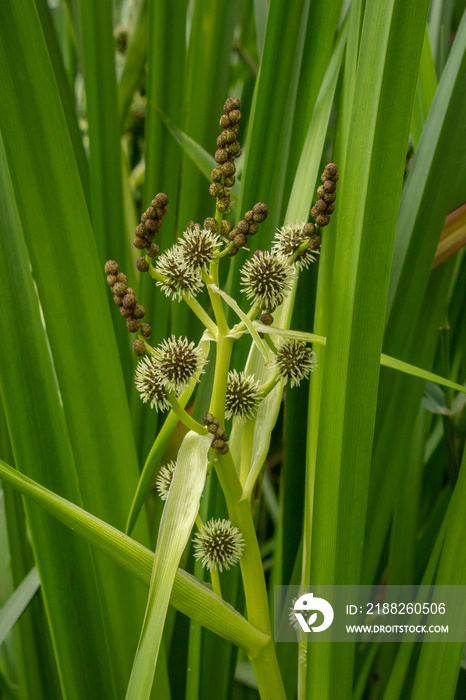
[{"x": 104, "y": 105}]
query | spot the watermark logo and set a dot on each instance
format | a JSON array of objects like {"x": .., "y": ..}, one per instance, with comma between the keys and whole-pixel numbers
[{"x": 308, "y": 604}]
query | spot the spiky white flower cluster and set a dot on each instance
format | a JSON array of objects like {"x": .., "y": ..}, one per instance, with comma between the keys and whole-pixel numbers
[
  {"x": 242, "y": 395},
  {"x": 218, "y": 545},
  {"x": 289, "y": 238},
  {"x": 182, "y": 264},
  {"x": 179, "y": 279},
  {"x": 150, "y": 385},
  {"x": 198, "y": 247},
  {"x": 295, "y": 361},
  {"x": 175, "y": 364},
  {"x": 164, "y": 479},
  {"x": 266, "y": 278}
]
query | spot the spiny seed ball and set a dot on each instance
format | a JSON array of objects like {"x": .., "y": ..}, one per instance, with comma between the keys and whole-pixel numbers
[
  {"x": 329, "y": 186},
  {"x": 211, "y": 224},
  {"x": 132, "y": 324},
  {"x": 253, "y": 228},
  {"x": 224, "y": 121},
  {"x": 111, "y": 279},
  {"x": 230, "y": 181},
  {"x": 231, "y": 104},
  {"x": 221, "y": 156},
  {"x": 152, "y": 250},
  {"x": 228, "y": 168},
  {"x": 216, "y": 175},
  {"x": 320, "y": 206},
  {"x": 266, "y": 319},
  {"x": 249, "y": 216},
  {"x": 129, "y": 300},
  {"x": 330, "y": 208},
  {"x": 153, "y": 225},
  {"x": 140, "y": 230},
  {"x": 223, "y": 204},
  {"x": 212, "y": 428},
  {"x": 322, "y": 220},
  {"x": 119, "y": 289},
  {"x": 209, "y": 418},
  {"x": 233, "y": 233},
  {"x": 329, "y": 197},
  {"x": 235, "y": 149},
  {"x": 260, "y": 212},
  {"x": 232, "y": 251},
  {"x": 223, "y": 448},
  {"x": 242, "y": 226},
  {"x": 139, "y": 311},
  {"x": 150, "y": 213},
  {"x": 146, "y": 330},
  {"x": 331, "y": 172},
  {"x": 160, "y": 200},
  {"x": 139, "y": 348},
  {"x": 225, "y": 227},
  {"x": 240, "y": 240},
  {"x": 140, "y": 243},
  {"x": 309, "y": 230},
  {"x": 221, "y": 434},
  {"x": 235, "y": 116},
  {"x": 125, "y": 311},
  {"x": 118, "y": 300},
  {"x": 216, "y": 189},
  {"x": 315, "y": 242},
  {"x": 229, "y": 136},
  {"x": 217, "y": 443},
  {"x": 121, "y": 278},
  {"x": 221, "y": 140},
  {"x": 142, "y": 265},
  {"x": 111, "y": 267}
]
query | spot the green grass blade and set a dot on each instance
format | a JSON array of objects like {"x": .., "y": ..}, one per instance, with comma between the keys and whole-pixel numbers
[
  {"x": 136, "y": 55},
  {"x": 439, "y": 664},
  {"x": 98, "y": 62},
  {"x": 17, "y": 602},
  {"x": 370, "y": 189},
  {"x": 179, "y": 514},
  {"x": 189, "y": 595}
]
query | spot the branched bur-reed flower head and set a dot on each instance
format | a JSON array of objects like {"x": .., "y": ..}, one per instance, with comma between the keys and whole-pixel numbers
[
  {"x": 179, "y": 277},
  {"x": 198, "y": 246},
  {"x": 242, "y": 395},
  {"x": 295, "y": 361},
  {"x": 164, "y": 479},
  {"x": 150, "y": 385},
  {"x": 288, "y": 239},
  {"x": 218, "y": 545},
  {"x": 178, "y": 362},
  {"x": 266, "y": 278}
]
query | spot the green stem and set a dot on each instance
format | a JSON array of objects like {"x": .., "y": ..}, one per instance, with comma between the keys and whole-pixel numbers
[
  {"x": 184, "y": 417},
  {"x": 222, "y": 365},
  {"x": 270, "y": 384},
  {"x": 202, "y": 315},
  {"x": 267, "y": 673},
  {"x": 252, "y": 314},
  {"x": 215, "y": 578},
  {"x": 246, "y": 450}
]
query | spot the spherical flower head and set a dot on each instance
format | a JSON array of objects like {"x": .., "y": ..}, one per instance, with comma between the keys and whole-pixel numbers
[
  {"x": 164, "y": 479},
  {"x": 288, "y": 239},
  {"x": 266, "y": 278},
  {"x": 242, "y": 395},
  {"x": 178, "y": 362},
  {"x": 179, "y": 278},
  {"x": 150, "y": 385},
  {"x": 218, "y": 545},
  {"x": 198, "y": 247},
  {"x": 295, "y": 361}
]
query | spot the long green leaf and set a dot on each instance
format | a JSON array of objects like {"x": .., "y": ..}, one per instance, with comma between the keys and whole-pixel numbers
[
  {"x": 17, "y": 602},
  {"x": 178, "y": 518}
]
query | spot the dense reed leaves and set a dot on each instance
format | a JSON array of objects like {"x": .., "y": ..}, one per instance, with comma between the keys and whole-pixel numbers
[{"x": 354, "y": 479}]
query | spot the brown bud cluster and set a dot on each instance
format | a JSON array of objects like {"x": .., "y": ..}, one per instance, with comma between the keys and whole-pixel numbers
[
  {"x": 325, "y": 205},
  {"x": 219, "y": 434},
  {"x": 125, "y": 298},
  {"x": 248, "y": 226},
  {"x": 228, "y": 148},
  {"x": 151, "y": 223}
]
